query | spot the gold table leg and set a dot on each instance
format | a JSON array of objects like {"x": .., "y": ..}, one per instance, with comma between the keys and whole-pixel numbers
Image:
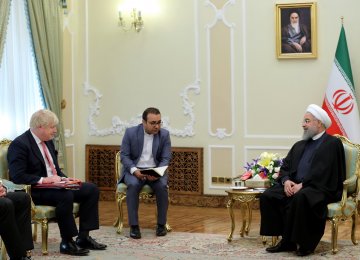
[
  {"x": 249, "y": 217},
  {"x": 246, "y": 212},
  {"x": 230, "y": 205},
  {"x": 244, "y": 219}
]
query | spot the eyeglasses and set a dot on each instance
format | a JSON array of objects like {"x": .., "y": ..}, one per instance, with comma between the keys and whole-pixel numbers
[{"x": 154, "y": 123}]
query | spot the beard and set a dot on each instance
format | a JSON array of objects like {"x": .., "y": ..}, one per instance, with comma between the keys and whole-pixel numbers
[
  {"x": 296, "y": 27},
  {"x": 309, "y": 133}
]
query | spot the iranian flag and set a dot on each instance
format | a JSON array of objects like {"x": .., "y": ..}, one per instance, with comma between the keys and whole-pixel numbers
[{"x": 340, "y": 100}]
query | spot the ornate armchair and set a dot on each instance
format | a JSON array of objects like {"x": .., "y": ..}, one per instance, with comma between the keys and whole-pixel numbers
[
  {"x": 120, "y": 195},
  {"x": 41, "y": 214},
  {"x": 347, "y": 208}
]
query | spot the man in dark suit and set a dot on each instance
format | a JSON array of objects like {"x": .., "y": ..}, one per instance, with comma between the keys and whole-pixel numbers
[
  {"x": 311, "y": 177},
  {"x": 32, "y": 159},
  {"x": 15, "y": 223},
  {"x": 146, "y": 146}
]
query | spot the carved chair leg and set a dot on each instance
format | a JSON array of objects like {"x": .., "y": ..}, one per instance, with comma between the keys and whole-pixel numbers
[
  {"x": 34, "y": 231},
  {"x": 44, "y": 236},
  {"x": 334, "y": 234},
  {"x": 353, "y": 228},
  {"x": 274, "y": 239},
  {"x": 116, "y": 223},
  {"x": 120, "y": 219},
  {"x": 168, "y": 227}
]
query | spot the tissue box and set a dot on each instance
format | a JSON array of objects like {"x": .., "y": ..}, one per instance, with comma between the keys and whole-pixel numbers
[{"x": 250, "y": 183}]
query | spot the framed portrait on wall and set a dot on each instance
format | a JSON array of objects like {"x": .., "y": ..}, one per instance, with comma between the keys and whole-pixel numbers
[{"x": 296, "y": 34}]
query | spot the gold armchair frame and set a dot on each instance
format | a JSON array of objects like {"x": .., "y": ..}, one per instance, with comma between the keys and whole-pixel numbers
[
  {"x": 120, "y": 195},
  {"x": 347, "y": 208}
]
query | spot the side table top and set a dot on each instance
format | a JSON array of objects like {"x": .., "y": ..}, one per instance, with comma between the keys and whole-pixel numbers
[{"x": 249, "y": 191}]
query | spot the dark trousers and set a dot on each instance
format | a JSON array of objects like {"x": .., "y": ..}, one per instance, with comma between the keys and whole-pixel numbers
[
  {"x": 293, "y": 218},
  {"x": 15, "y": 223},
  {"x": 87, "y": 196},
  {"x": 160, "y": 189}
]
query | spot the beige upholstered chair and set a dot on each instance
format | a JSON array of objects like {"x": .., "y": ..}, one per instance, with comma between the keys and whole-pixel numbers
[
  {"x": 41, "y": 214},
  {"x": 348, "y": 206},
  {"x": 120, "y": 195}
]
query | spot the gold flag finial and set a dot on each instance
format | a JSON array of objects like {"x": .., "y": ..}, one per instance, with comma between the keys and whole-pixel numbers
[{"x": 342, "y": 20}]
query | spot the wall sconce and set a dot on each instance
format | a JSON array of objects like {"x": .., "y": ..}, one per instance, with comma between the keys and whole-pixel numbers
[
  {"x": 63, "y": 4},
  {"x": 137, "y": 22}
]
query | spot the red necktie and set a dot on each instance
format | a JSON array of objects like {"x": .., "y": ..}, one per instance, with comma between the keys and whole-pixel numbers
[{"x": 47, "y": 155}]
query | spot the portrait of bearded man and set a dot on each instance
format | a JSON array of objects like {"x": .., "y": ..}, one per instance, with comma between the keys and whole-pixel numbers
[{"x": 296, "y": 35}]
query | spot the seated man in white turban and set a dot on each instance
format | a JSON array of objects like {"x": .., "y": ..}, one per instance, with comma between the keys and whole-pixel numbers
[{"x": 311, "y": 176}]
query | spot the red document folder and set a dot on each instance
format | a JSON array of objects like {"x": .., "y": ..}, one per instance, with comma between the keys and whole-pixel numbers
[{"x": 72, "y": 185}]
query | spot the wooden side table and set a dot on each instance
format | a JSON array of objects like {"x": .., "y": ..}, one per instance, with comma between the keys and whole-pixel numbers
[{"x": 246, "y": 199}]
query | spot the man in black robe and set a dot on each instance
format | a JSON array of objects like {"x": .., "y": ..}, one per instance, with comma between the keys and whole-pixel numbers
[{"x": 311, "y": 177}]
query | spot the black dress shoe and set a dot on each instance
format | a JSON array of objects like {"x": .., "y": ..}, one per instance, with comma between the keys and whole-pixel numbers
[
  {"x": 135, "y": 232},
  {"x": 303, "y": 252},
  {"x": 282, "y": 246},
  {"x": 70, "y": 248},
  {"x": 161, "y": 230},
  {"x": 89, "y": 243}
]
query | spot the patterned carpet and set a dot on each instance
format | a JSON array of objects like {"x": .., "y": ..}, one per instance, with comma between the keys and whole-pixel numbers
[{"x": 180, "y": 245}]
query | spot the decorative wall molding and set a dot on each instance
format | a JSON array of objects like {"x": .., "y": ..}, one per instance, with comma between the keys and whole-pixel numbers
[
  {"x": 210, "y": 159},
  {"x": 119, "y": 125},
  {"x": 219, "y": 16},
  {"x": 66, "y": 18}
]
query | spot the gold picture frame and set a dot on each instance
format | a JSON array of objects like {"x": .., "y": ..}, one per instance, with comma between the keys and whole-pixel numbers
[{"x": 296, "y": 31}]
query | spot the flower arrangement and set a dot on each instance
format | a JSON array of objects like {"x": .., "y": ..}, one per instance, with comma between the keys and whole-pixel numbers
[{"x": 266, "y": 166}]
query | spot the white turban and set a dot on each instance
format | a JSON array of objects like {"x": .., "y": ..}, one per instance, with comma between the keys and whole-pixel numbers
[{"x": 320, "y": 114}]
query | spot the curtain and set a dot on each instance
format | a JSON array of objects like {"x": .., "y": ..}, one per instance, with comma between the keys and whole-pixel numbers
[
  {"x": 4, "y": 15},
  {"x": 20, "y": 94},
  {"x": 46, "y": 27}
]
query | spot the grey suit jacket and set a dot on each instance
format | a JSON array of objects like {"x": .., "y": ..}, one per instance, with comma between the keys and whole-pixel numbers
[{"x": 132, "y": 146}]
